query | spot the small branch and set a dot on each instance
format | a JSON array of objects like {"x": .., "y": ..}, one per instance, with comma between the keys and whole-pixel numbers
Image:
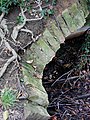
[
  {"x": 34, "y": 19},
  {"x": 82, "y": 96},
  {"x": 1, "y": 17},
  {"x": 61, "y": 77}
]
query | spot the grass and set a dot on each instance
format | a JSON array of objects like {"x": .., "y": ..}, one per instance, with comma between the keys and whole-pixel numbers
[{"x": 8, "y": 98}]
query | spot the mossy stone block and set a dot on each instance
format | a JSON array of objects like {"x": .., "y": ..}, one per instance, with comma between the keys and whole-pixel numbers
[
  {"x": 68, "y": 19},
  {"x": 30, "y": 79},
  {"x": 82, "y": 4},
  {"x": 37, "y": 96},
  {"x": 35, "y": 112},
  {"x": 51, "y": 41},
  {"x": 56, "y": 32},
  {"x": 77, "y": 16},
  {"x": 63, "y": 26},
  {"x": 37, "y": 63},
  {"x": 39, "y": 52},
  {"x": 46, "y": 49}
]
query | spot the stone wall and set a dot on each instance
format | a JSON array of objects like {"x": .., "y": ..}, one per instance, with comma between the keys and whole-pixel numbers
[{"x": 42, "y": 51}]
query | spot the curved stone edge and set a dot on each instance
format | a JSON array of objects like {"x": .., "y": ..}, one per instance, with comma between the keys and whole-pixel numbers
[{"x": 43, "y": 50}]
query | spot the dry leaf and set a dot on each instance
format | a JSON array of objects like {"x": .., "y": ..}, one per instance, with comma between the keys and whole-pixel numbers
[
  {"x": 5, "y": 115},
  {"x": 29, "y": 61}
]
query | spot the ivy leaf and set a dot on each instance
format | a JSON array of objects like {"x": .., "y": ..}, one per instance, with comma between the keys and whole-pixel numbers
[
  {"x": 29, "y": 8},
  {"x": 43, "y": 12},
  {"x": 54, "y": 2},
  {"x": 50, "y": 12},
  {"x": 20, "y": 19},
  {"x": 46, "y": 1}
]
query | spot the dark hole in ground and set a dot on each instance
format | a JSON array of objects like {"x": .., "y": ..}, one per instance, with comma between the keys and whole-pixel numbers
[{"x": 67, "y": 79}]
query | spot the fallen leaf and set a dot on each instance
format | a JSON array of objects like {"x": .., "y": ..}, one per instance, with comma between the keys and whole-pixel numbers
[
  {"x": 29, "y": 61},
  {"x": 5, "y": 115}
]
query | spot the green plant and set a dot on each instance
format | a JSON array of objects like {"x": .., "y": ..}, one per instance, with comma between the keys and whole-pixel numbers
[
  {"x": 20, "y": 19},
  {"x": 49, "y": 10},
  {"x": 88, "y": 4},
  {"x": 85, "y": 50},
  {"x": 6, "y": 4},
  {"x": 8, "y": 97},
  {"x": 54, "y": 2}
]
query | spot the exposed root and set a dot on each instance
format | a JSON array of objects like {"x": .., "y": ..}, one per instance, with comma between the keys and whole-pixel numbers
[
  {"x": 32, "y": 35},
  {"x": 7, "y": 45},
  {"x": 17, "y": 28},
  {"x": 20, "y": 26}
]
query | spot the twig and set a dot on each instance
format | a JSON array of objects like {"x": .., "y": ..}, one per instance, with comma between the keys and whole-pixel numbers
[
  {"x": 34, "y": 19},
  {"x": 61, "y": 77},
  {"x": 82, "y": 96},
  {"x": 64, "y": 114},
  {"x": 17, "y": 28},
  {"x": 1, "y": 17},
  {"x": 70, "y": 78}
]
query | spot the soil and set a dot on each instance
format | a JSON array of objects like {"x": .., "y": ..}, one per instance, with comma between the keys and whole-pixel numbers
[
  {"x": 67, "y": 80},
  {"x": 13, "y": 74}
]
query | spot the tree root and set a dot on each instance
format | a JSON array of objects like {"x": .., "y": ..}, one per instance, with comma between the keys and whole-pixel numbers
[
  {"x": 32, "y": 35},
  {"x": 20, "y": 26},
  {"x": 7, "y": 45}
]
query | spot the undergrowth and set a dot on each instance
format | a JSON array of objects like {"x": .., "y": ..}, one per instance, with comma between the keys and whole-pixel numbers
[
  {"x": 88, "y": 4},
  {"x": 8, "y": 98},
  {"x": 5, "y": 6}
]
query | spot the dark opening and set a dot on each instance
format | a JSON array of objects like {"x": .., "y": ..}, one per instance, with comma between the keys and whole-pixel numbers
[{"x": 67, "y": 79}]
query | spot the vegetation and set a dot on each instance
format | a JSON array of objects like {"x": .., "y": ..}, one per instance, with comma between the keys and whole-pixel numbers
[
  {"x": 6, "y": 4},
  {"x": 8, "y": 98},
  {"x": 84, "y": 58},
  {"x": 88, "y": 3}
]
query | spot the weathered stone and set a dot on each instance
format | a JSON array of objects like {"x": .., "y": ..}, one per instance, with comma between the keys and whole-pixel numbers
[
  {"x": 82, "y": 4},
  {"x": 39, "y": 53},
  {"x": 36, "y": 93},
  {"x": 46, "y": 49},
  {"x": 37, "y": 96},
  {"x": 77, "y": 16},
  {"x": 49, "y": 38},
  {"x": 68, "y": 19},
  {"x": 30, "y": 109},
  {"x": 37, "y": 63},
  {"x": 63, "y": 26},
  {"x": 56, "y": 32},
  {"x": 31, "y": 78}
]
